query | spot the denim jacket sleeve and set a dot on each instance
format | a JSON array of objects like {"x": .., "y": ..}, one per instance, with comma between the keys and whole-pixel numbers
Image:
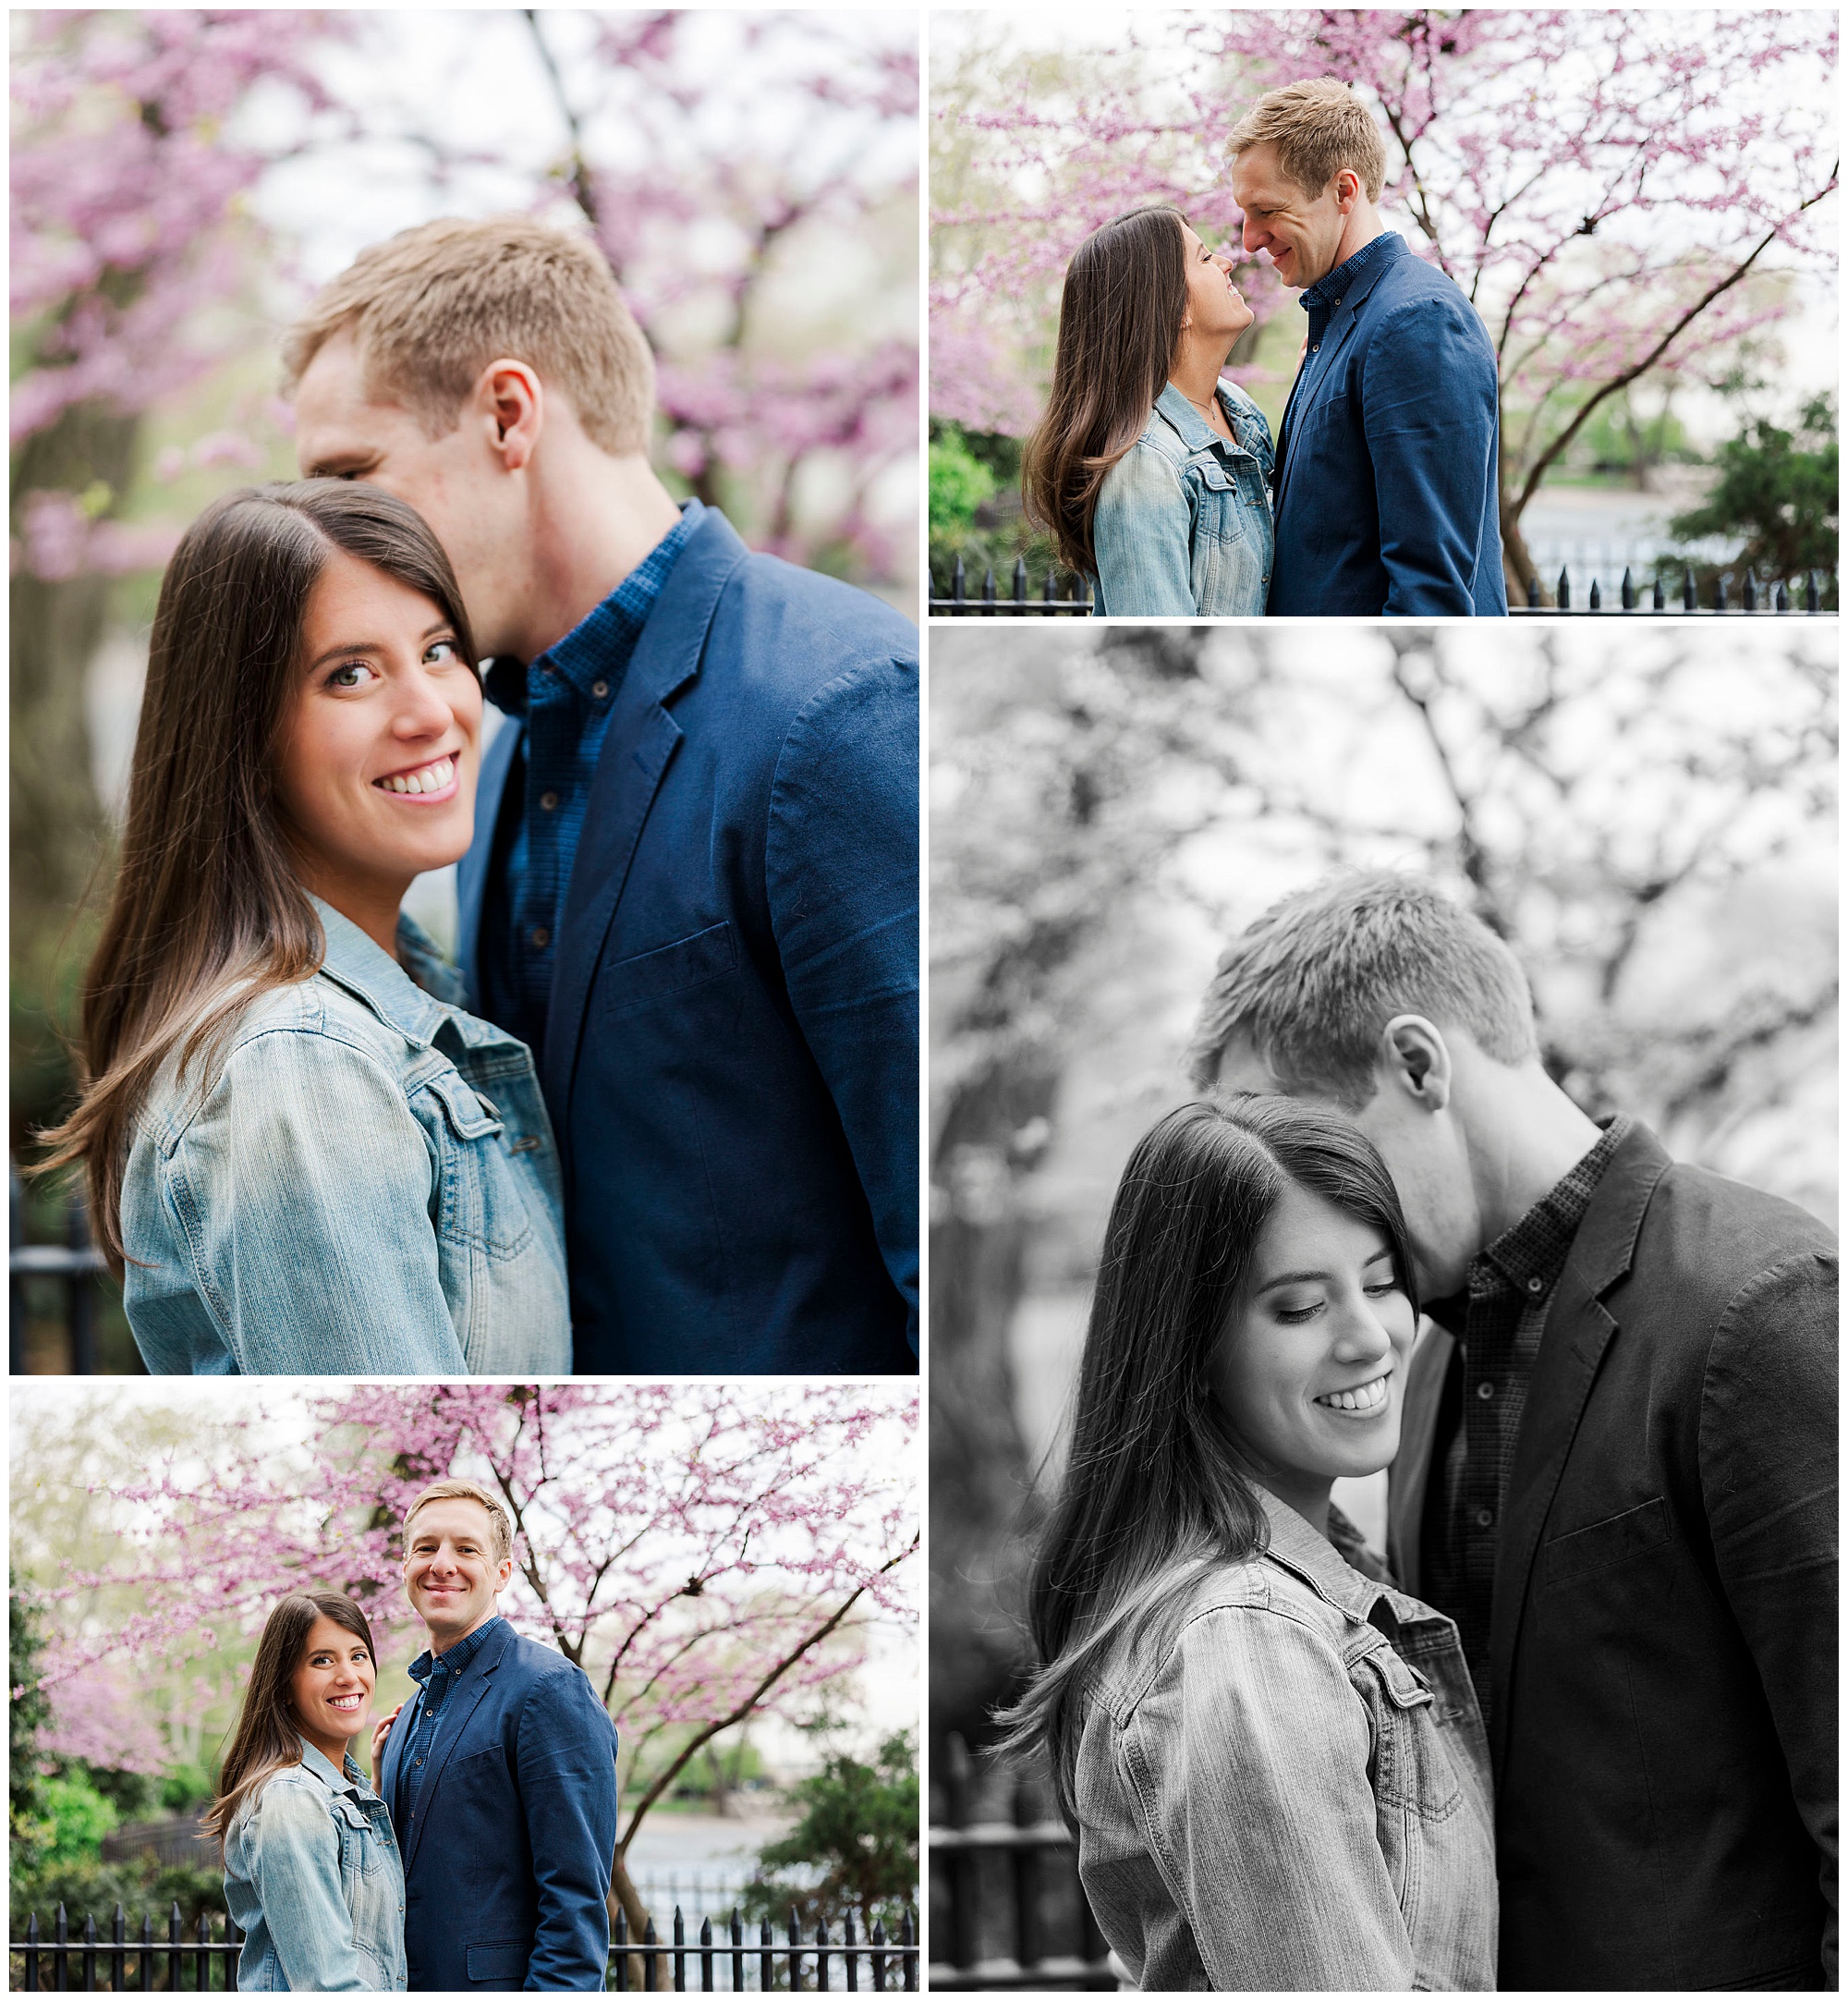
[
  {"x": 1767, "y": 1449},
  {"x": 302, "y": 1191},
  {"x": 566, "y": 1751},
  {"x": 1142, "y": 533},
  {"x": 841, "y": 865},
  {"x": 1431, "y": 410},
  {"x": 1249, "y": 1756},
  {"x": 298, "y": 1881}
]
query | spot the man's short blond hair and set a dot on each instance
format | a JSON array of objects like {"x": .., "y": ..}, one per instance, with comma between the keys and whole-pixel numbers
[
  {"x": 429, "y": 308},
  {"x": 500, "y": 1528},
  {"x": 1317, "y": 128}
]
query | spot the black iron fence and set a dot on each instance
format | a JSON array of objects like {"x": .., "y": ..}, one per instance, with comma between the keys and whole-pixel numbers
[
  {"x": 54, "y": 1283},
  {"x": 848, "y": 1961},
  {"x": 1775, "y": 595},
  {"x": 1058, "y": 597},
  {"x": 1008, "y": 1911}
]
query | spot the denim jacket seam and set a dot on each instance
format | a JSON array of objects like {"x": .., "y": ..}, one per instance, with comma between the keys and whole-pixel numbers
[
  {"x": 377, "y": 1058},
  {"x": 1132, "y": 1696}
]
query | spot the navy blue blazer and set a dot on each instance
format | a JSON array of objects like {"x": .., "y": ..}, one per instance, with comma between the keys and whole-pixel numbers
[
  {"x": 507, "y": 1862},
  {"x": 1385, "y": 486},
  {"x": 731, "y": 1047}
]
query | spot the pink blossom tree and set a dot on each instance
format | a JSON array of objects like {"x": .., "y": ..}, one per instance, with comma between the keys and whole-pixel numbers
[
  {"x": 1620, "y": 192},
  {"x": 706, "y": 1555}
]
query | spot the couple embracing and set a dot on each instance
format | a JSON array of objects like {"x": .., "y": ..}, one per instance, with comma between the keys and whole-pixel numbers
[
  {"x": 478, "y": 1851},
  {"x": 1160, "y": 480},
  {"x": 1574, "y": 1728},
  {"x": 662, "y": 1117}
]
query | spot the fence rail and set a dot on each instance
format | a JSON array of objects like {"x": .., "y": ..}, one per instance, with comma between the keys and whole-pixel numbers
[
  {"x": 1772, "y": 595},
  {"x": 1033, "y": 1855},
  {"x": 848, "y": 1962},
  {"x": 75, "y": 1266}
]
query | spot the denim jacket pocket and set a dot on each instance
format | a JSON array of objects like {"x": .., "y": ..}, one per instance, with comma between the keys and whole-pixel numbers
[
  {"x": 669, "y": 970},
  {"x": 1615, "y": 1540},
  {"x": 1411, "y": 1768},
  {"x": 477, "y": 1206},
  {"x": 361, "y": 1853}
]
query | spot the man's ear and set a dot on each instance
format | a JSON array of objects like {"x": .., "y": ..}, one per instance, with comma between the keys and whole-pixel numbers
[
  {"x": 510, "y": 402},
  {"x": 1418, "y": 1061},
  {"x": 1346, "y": 189}
]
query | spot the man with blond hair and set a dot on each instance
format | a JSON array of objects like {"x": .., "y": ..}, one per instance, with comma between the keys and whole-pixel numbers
[
  {"x": 1385, "y": 484},
  {"x": 499, "y": 1774},
  {"x": 1616, "y": 1468},
  {"x": 693, "y": 889}
]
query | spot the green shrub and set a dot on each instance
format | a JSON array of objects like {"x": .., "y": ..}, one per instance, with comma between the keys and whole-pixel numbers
[
  {"x": 960, "y": 482},
  {"x": 856, "y": 1832}
]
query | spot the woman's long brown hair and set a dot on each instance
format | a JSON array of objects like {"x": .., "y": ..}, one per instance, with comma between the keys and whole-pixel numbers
[
  {"x": 268, "y": 1739},
  {"x": 207, "y": 911},
  {"x": 1119, "y": 324}
]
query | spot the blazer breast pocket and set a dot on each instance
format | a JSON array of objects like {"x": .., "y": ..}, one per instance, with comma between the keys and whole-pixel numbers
[
  {"x": 502, "y": 1960},
  {"x": 1615, "y": 1540},
  {"x": 659, "y": 975}
]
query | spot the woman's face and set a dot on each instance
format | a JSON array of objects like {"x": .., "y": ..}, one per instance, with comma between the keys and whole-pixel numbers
[
  {"x": 330, "y": 1689},
  {"x": 1215, "y": 306},
  {"x": 1309, "y": 1368},
  {"x": 377, "y": 771}
]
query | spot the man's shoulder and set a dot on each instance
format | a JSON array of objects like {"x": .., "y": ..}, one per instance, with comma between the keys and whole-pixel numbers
[
  {"x": 811, "y": 627},
  {"x": 1414, "y": 299},
  {"x": 1708, "y": 1236}
]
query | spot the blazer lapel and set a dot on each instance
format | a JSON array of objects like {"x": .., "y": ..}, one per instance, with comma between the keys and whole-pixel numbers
[
  {"x": 1314, "y": 378},
  {"x": 464, "y": 1699},
  {"x": 471, "y": 872},
  {"x": 1578, "y": 1330},
  {"x": 637, "y": 751},
  {"x": 1409, "y": 1480}
]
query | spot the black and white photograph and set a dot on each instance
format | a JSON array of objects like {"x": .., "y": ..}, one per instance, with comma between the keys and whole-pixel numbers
[{"x": 1382, "y": 1395}]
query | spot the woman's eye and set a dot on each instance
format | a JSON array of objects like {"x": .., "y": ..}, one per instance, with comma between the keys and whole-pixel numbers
[
  {"x": 347, "y": 673},
  {"x": 440, "y": 649},
  {"x": 1293, "y": 1315}
]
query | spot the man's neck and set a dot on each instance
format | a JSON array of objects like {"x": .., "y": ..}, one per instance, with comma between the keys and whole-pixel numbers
[
  {"x": 594, "y": 520},
  {"x": 1363, "y": 225},
  {"x": 439, "y": 1647},
  {"x": 1535, "y": 1136}
]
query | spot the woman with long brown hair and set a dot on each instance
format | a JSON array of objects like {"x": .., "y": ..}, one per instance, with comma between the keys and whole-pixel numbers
[
  {"x": 303, "y": 1156},
  {"x": 1150, "y": 472},
  {"x": 1272, "y": 1757},
  {"x": 312, "y": 1874}
]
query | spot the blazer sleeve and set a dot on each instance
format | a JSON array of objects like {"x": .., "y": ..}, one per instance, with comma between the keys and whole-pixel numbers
[
  {"x": 1250, "y": 1768},
  {"x": 841, "y": 865},
  {"x": 1768, "y": 1450},
  {"x": 303, "y": 1191},
  {"x": 297, "y": 1882},
  {"x": 1143, "y": 534},
  {"x": 1429, "y": 406},
  {"x": 567, "y": 1754}
]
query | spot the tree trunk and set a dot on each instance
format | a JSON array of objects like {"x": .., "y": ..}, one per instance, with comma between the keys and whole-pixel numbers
[
  {"x": 625, "y": 1897},
  {"x": 59, "y": 832},
  {"x": 1518, "y": 565}
]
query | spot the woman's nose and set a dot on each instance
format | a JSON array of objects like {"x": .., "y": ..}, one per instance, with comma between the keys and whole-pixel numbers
[
  {"x": 1363, "y": 1336},
  {"x": 422, "y": 709}
]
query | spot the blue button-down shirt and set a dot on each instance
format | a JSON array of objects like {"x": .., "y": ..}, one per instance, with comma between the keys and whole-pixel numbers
[
  {"x": 435, "y": 1674},
  {"x": 1320, "y": 301},
  {"x": 567, "y": 697}
]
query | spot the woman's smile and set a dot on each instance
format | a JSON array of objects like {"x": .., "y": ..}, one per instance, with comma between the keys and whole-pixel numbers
[
  {"x": 1369, "y": 1399},
  {"x": 428, "y": 784}
]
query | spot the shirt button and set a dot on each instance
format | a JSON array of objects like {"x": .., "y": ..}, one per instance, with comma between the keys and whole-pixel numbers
[
  {"x": 547, "y": 801},
  {"x": 598, "y": 689},
  {"x": 1485, "y": 1390},
  {"x": 1485, "y": 1517},
  {"x": 1537, "y": 1284},
  {"x": 539, "y": 938}
]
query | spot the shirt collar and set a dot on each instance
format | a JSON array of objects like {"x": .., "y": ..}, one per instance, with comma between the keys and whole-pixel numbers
[
  {"x": 1195, "y": 430},
  {"x": 582, "y": 657},
  {"x": 1315, "y": 1559},
  {"x": 456, "y": 1658},
  {"x": 1332, "y": 288},
  {"x": 1530, "y": 1254},
  {"x": 371, "y": 974}
]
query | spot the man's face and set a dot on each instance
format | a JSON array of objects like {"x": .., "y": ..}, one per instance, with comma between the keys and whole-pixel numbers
[
  {"x": 1301, "y": 231},
  {"x": 451, "y": 1576},
  {"x": 455, "y": 481},
  {"x": 1424, "y": 1152}
]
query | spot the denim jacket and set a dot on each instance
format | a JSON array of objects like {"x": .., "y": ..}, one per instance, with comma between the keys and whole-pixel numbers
[
  {"x": 314, "y": 1880},
  {"x": 369, "y": 1188},
  {"x": 1182, "y": 527},
  {"x": 1294, "y": 1792}
]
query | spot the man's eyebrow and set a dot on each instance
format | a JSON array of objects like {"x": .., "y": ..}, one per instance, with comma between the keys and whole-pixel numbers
[{"x": 332, "y": 464}]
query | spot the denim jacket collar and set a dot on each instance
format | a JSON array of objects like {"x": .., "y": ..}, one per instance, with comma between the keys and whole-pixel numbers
[
  {"x": 1313, "y": 1558},
  {"x": 350, "y": 1780},
  {"x": 1196, "y": 433},
  {"x": 426, "y": 1010}
]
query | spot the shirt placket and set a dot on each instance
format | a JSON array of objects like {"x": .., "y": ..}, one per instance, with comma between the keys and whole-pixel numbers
[{"x": 1488, "y": 1357}]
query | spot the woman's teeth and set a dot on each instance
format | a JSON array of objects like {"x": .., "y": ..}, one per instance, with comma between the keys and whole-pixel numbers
[
  {"x": 345, "y": 1702},
  {"x": 1368, "y": 1396},
  {"x": 430, "y": 778}
]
